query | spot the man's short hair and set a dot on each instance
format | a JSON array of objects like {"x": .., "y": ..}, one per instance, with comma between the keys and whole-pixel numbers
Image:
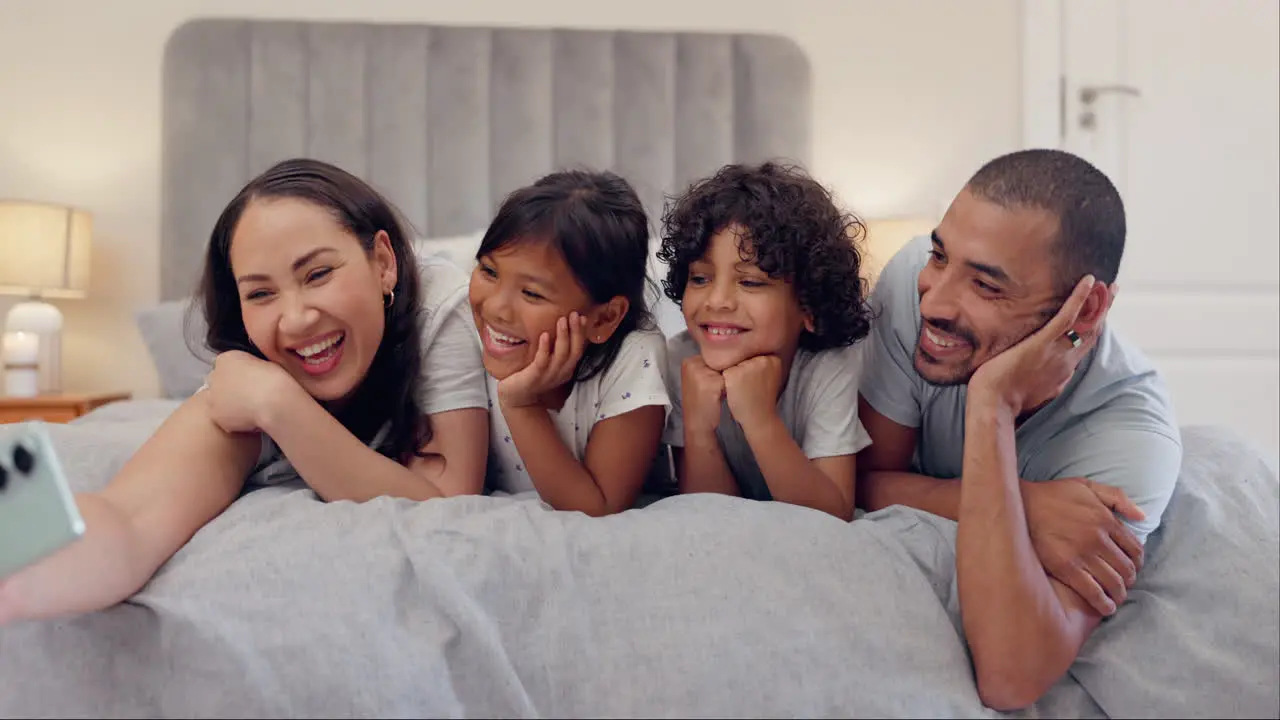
[{"x": 1091, "y": 222}]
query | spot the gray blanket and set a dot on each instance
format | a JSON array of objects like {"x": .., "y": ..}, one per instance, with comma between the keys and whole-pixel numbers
[{"x": 693, "y": 606}]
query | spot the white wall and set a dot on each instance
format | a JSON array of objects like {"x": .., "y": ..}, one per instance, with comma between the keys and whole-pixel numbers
[{"x": 910, "y": 97}]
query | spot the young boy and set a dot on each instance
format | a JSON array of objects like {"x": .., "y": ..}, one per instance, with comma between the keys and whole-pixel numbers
[{"x": 765, "y": 269}]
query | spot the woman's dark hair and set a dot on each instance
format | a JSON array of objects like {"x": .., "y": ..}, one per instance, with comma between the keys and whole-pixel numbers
[
  {"x": 793, "y": 230},
  {"x": 598, "y": 224},
  {"x": 390, "y": 390}
]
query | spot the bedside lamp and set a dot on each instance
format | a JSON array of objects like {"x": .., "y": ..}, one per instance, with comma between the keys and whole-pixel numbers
[
  {"x": 886, "y": 237},
  {"x": 44, "y": 253}
]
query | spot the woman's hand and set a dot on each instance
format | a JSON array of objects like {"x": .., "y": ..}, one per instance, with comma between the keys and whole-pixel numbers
[
  {"x": 552, "y": 366},
  {"x": 8, "y": 607},
  {"x": 242, "y": 388}
]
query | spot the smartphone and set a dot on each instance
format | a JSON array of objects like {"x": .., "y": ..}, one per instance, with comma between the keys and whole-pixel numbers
[{"x": 38, "y": 513}]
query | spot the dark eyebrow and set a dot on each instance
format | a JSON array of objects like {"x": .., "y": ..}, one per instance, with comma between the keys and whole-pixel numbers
[
  {"x": 296, "y": 264},
  {"x": 545, "y": 282},
  {"x": 992, "y": 271}
]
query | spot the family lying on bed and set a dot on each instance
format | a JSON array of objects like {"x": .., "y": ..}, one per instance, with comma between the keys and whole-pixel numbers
[{"x": 979, "y": 382}]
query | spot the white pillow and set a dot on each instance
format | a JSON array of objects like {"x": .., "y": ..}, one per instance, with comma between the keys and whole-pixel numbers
[
  {"x": 665, "y": 312},
  {"x": 459, "y": 249}
]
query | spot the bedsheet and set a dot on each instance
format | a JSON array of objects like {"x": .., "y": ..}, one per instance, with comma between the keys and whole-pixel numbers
[{"x": 693, "y": 606}]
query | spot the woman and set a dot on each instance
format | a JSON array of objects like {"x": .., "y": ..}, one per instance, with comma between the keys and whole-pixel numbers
[{"x": 328, "y": 369}]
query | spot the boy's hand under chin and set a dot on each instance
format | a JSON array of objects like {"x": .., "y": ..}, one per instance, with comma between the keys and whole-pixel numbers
[
  {"x": 752, "y": 388},
  {"x": 701, "y": 390}
]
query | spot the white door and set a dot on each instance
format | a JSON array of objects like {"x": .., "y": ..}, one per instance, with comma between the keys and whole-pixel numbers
[{"x": 1178, "y": 101}]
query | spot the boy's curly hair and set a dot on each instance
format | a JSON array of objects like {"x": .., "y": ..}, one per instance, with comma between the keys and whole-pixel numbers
[{"x": 793, "y": 231}]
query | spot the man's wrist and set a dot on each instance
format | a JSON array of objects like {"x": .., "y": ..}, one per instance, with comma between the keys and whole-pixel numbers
[{"x": 985, "y": 402}]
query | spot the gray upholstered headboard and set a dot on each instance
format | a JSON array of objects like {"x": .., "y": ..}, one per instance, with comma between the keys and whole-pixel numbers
[{"x": 447, "y": 120}]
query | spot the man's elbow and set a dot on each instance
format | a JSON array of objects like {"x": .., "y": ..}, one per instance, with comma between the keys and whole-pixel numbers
[
  {"x": 1018, "y": 677},
  {"x": 1010, "y": 689}
]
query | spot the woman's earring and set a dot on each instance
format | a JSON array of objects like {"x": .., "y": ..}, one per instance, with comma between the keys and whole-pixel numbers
[{"x": 389, "y": 299}]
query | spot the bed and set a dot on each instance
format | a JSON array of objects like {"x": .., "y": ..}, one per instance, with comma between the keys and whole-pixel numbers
[{"x": 497, "y": 606}]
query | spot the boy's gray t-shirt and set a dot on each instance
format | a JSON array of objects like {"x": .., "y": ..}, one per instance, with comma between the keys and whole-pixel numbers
[
  {"x": 818, "y": 406},
  {"x": 1113, "y": 424}
]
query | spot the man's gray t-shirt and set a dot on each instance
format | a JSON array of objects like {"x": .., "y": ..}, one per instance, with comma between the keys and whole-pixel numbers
[
  {"x": 818, "y": 406},
  {"x": 1114, "y": 423}
]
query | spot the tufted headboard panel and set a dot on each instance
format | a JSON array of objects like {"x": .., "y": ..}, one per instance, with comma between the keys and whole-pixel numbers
[{"x": 447, "y": 120}]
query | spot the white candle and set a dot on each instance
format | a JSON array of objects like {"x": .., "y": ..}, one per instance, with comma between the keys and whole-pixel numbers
[
  {"x": 21, "y": 348},
  {"x": 21, "y": 382}
]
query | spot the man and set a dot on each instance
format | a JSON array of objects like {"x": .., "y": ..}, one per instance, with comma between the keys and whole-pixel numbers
[{"x": 991, "y": 372}]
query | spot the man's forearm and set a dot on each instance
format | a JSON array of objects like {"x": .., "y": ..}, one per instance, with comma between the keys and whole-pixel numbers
[
  {"x": 881, "y": 488},
  {"x": 1013, "y": 619}
]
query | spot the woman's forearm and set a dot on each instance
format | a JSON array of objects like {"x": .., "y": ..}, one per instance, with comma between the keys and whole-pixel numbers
[
  {"x": 333, "y": 461},
  {"x": 105, "y": 566}
]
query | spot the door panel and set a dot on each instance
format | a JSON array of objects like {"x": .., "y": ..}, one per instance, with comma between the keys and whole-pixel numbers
[{"x": 1187, "y": 124}]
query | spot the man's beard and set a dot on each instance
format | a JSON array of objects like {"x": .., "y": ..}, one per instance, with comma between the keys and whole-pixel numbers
[
  {"x": 926, "y": 365},
  {"x": 962, "y": 373}
]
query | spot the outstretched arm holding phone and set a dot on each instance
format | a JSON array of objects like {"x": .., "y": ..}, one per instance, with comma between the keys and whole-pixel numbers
[{"x": 182, "y": 477}]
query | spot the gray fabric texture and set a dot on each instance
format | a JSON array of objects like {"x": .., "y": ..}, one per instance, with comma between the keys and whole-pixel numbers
[
  {"x": 695, "y": 606},
  {"x": 447, "y": 120},
  {"x": 174, "y": 337}
]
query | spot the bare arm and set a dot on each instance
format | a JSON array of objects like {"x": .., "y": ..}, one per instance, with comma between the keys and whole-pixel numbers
[
  {"x": 1023, "y": 628},
  {"x": 1076, "y": 537},
  {"x": 701, "y": 466},
  {"x": 883, "y": 476},
  {"x": 825, "y": 484},
  {"x": 457, "y": 453},
  {"x": 619, "y": 453},
  {"x": 335, "y": 464},
  {"x": 181, "y": 478}
]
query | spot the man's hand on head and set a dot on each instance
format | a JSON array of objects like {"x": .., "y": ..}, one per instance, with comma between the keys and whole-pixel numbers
[
  {"x": 1037, "y": 369},
  {"x": 1077, "y": 534}
]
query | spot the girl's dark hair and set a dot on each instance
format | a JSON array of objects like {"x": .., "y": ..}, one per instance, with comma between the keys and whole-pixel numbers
[
  {"x": 390, "y": 390},
  {"x": 597, "y": 222},
  {"x": 793, "y": 230}
]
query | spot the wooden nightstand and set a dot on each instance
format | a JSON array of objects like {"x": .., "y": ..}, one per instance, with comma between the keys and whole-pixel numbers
[{"x": 53, "y": 408}]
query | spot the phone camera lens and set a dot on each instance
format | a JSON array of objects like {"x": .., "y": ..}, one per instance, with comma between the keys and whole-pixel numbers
[{"x": 23, "y": 460}]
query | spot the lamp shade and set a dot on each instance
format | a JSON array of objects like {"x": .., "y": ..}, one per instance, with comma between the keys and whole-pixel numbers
[
  {"x": 886, "y": 237},
  {"x": 44, "y": 250}
]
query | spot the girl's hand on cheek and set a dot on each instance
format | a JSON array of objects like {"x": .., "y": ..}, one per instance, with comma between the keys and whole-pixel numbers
[{"x": 553, "y": 365}]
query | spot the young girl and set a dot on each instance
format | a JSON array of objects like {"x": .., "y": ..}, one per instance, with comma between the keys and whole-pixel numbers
[
  {"x": 576, "y": 369},
  {"x": 765, "y": 269},
  {"x": 329, "y": 370}
]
